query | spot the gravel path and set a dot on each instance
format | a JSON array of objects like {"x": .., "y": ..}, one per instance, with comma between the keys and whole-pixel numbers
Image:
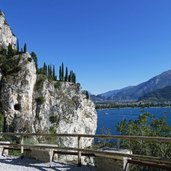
[{"x": 18, "y": 164}]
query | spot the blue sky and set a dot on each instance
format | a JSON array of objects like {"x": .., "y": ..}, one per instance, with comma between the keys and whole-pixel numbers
[{"x": 110, "y": 44}]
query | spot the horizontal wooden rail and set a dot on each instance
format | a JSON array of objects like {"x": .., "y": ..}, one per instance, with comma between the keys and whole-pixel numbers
[
  {"x": 150, "y": 164},
  {"x": 96, "y": 153},
  {"x": 140, "y": 159},
  {"x": 125, "y": 137}
]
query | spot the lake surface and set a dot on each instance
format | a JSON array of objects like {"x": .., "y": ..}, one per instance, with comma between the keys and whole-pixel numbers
[{"x": 109, "y": 118}]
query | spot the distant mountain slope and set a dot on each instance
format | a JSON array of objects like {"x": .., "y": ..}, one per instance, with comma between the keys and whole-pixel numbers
[
  {"x": 160, "y": 95},
  {"x": 111, "y": 93},
  {"x": 133, "y": 93}
]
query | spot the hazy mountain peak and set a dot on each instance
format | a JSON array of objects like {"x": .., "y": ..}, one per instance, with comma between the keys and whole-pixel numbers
[{"x": 133, "y": 93}]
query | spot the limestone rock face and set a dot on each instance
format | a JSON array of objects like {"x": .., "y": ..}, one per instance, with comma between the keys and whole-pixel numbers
[
  {"x": 71, "y": 110},
  {"x": 16, "y": 95},
  {"x": 32, "y": 103},
  {"x": 6, "y": 35},
  {"x": 63, "y": 108}
]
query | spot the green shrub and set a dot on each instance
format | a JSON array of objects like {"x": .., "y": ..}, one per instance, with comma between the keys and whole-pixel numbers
[
  {"x": 14, "y": 152},
  {"x": 39, "y": 82},
  {"x": 40, "y": 100},
  {"x": 52, "y": 129},
  {"x": 57, "y": 85},
  {"x": 54, "y": 119},
  {"x": 10, "y": 65}
]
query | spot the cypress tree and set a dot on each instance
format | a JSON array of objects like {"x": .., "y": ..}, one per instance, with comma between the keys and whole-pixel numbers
[
  {"x": 74, "y": 78},
  {"x": 66, "y": 74},
  {"x": 54, "y": 73},
  {"x": 87, "y": 94},
  {"x": 34, "y": 56},
  {"x": 10, "y": 50},
  {"x": 18, "y": 46},
  {"x": 71, "y": 76},
  {"x": 50, "y": 74},
  {"x": 25, "y": 47},
  {"x": 40, "y": 71},
  {"x": 49, "y": 71},
  {"x": 45, "y": 69},
  {"x": 62, "y": 72}
]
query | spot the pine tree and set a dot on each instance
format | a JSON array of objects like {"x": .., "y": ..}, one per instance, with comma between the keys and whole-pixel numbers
[
  {"x": 66, "y": 74},
  {"x": 25, "y": 47}
]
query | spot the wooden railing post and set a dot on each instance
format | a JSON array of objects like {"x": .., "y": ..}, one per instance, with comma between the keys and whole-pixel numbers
[
  {"x": 22, "y": 142},
  {"x": 118, "y": 144},
  {"x": 79, "y": 152}
]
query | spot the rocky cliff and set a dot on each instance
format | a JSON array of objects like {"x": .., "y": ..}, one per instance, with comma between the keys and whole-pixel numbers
[
  {"x": 17, "y": 94},
  {"x": 33, "y": 103},
  {"x": 6, "y": 35}
]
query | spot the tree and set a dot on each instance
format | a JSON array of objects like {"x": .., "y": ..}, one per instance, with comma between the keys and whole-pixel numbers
[
  {"x": 146, "y": 125},
  {"x": 34, "y": 56},
  {"x": 74, "y": 78},
  {"x": 18, "y": 46},
  {"x": 25, "y": 47},
  {"x": 49, "y": 72},
  {"x": 66, "y": 74},
  {"x": 87, "y": 94},
  {"x": 45, "y": 69},
  {"x": 71, "y": 76},
  {"x": 10, "y": 50},
  {"x": 54, "y": 73},
  {"x": 62, "y": 72}
]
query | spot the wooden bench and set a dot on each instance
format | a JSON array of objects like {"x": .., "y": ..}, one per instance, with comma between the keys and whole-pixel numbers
[{"x": 149, "y": 164}]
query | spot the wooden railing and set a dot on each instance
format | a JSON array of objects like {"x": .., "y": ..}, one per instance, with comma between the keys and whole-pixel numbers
[{"x": 80, "y": 150}]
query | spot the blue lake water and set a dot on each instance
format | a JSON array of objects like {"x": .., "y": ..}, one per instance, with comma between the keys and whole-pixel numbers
[{"x": 109, "y": 118}]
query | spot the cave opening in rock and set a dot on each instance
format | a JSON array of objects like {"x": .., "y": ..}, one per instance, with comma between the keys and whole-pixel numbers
[{"x": 17, "y": 107}]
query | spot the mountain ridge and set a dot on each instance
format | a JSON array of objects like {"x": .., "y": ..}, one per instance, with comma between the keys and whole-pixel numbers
[
  {"x": 133, "y": 93},
  {"x": 158, "y": 96}
]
